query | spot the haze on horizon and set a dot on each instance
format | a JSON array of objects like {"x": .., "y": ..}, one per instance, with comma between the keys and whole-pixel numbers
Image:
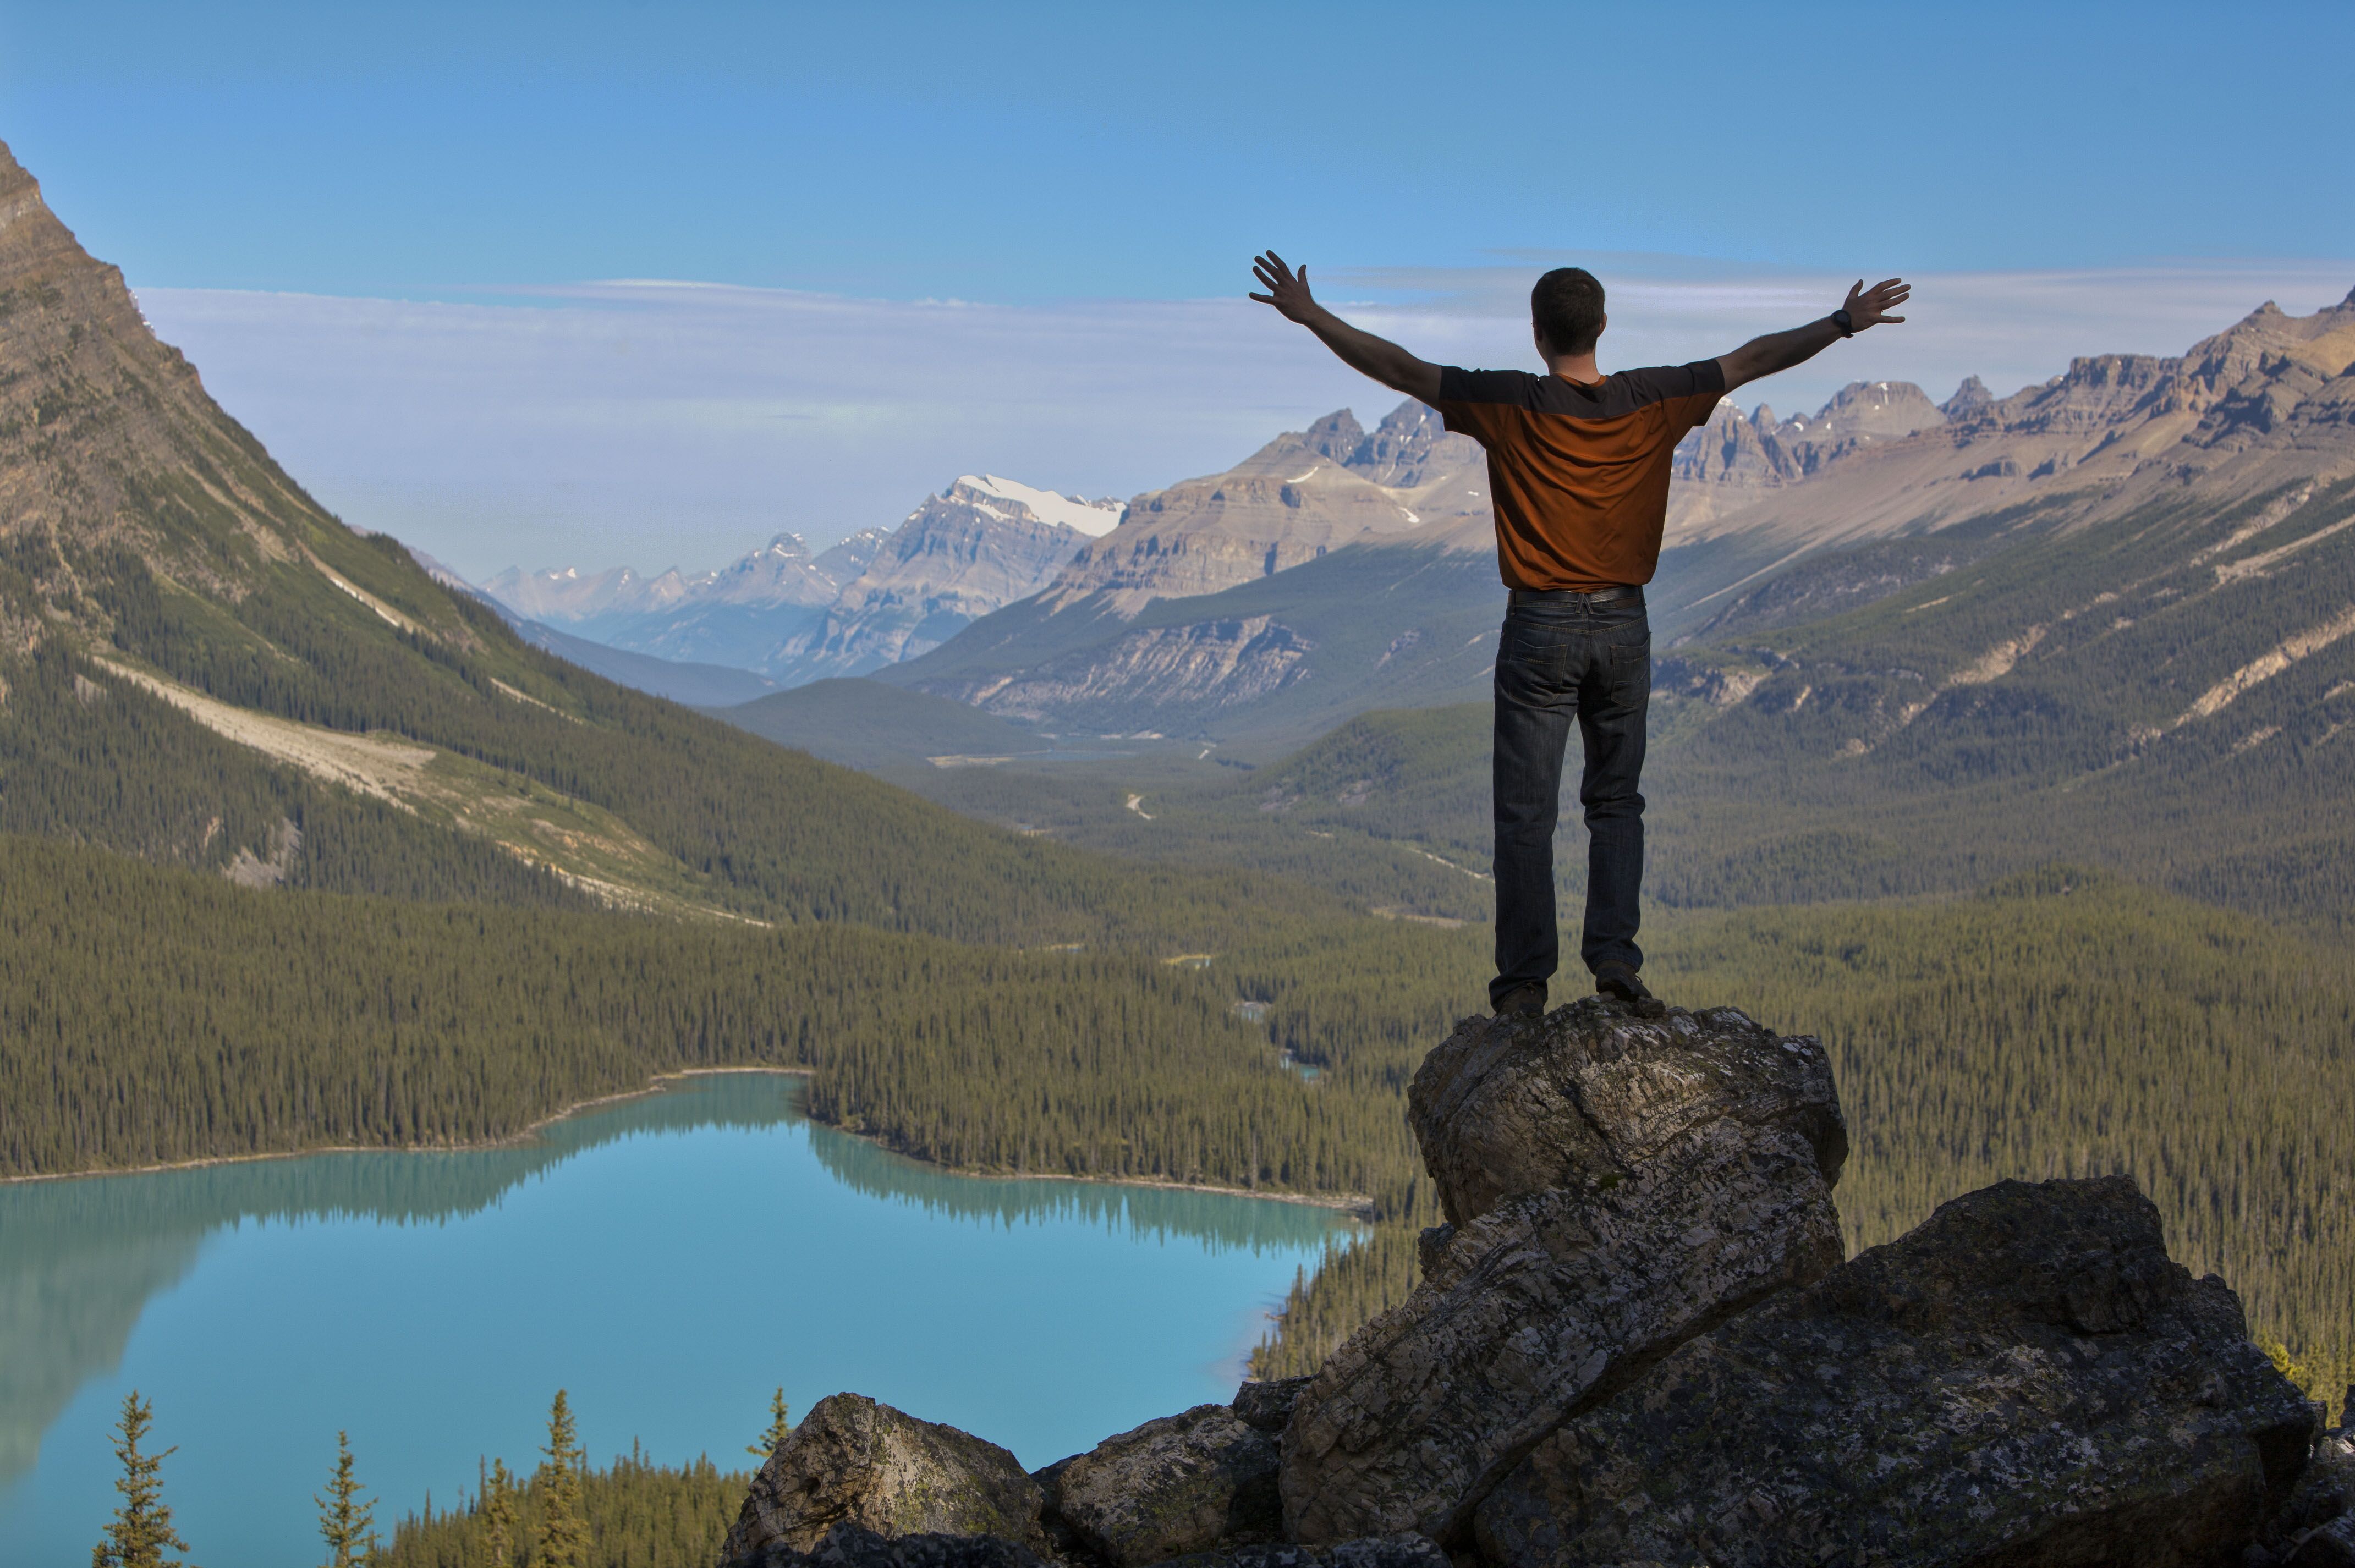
[{"x": 933, "y": 240}]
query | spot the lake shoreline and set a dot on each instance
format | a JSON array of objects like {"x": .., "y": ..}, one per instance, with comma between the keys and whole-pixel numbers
[{"x": 1358, "y": 1207}]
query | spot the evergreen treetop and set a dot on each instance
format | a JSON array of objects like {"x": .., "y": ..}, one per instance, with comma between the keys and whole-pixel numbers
[
  {"x": 781, "y": 1426},
  {"x": 142, "y": 1529},
  {"x": 563, "y": 1532},
  {"x": 498, "y": 1516},
  {"x": 347, "y": 1523}
]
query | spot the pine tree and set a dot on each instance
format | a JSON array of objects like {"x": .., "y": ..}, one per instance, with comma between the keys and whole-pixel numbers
[
  {"x": 345, "y": 1523},
  {"x": 142, "y": 1529},
  {"x": 563, "y": 1534},
  {"x": 498, "y": 1516},
  {"x": 780, "y": 1427}
]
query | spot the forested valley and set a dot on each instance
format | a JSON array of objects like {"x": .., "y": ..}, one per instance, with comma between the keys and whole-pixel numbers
[{"x": 2062, "y": 1023}]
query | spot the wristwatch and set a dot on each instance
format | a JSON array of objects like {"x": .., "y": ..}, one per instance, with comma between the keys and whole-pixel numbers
[{"x": 1845, "y": 322}]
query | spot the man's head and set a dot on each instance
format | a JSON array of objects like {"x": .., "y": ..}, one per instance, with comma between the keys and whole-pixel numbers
[{"x": 1566, "y": 310}]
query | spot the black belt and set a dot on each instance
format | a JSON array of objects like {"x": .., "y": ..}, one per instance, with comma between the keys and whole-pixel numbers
[{"x": 1571, "y": 597}]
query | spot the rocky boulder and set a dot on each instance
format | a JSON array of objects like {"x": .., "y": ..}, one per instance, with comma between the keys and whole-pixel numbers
[
  {"x": 1621, "y": 1185},
  {"x": 1180, "y": 1485},
  {"x": 1507, "y": 1106},
  {"x": 855, "y": 1461},
  {"x": 2025, "y": 1379}
]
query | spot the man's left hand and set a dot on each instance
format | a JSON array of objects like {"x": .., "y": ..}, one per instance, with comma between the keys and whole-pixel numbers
[{"x": 1870, "y": 307}]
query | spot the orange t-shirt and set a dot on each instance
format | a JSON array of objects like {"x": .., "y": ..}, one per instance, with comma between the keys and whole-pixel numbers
[{"x": 1579, "y": 475}]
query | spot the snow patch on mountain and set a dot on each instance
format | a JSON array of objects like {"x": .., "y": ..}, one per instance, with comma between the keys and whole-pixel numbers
[{"x": 1093, "y": 518}]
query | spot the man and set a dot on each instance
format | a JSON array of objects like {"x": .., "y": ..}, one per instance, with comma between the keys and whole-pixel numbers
[{"x": 1578, "y": 474}]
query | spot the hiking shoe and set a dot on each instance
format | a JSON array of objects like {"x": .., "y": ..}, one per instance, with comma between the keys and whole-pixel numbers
[
  {"x": 1522, "y": 1002},
  {"x": 1621, "y": 983}
]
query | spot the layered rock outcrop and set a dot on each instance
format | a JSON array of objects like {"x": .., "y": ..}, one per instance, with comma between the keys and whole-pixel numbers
[
  {"x": 1636, "y": 1341},
  {"x": 1615, "y": 1186},
  {"x": 2027, "y": 1378}
]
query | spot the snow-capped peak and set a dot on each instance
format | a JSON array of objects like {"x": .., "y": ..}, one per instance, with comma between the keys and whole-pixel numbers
[{"x": 1093, "y": 518}]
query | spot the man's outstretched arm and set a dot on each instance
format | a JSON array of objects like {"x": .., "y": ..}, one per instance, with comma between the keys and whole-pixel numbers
[
  {"x": 1781, "y": 349},
  {"x": 1379, "y": 357}
]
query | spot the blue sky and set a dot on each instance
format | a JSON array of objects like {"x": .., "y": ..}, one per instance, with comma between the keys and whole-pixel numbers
[
  {"x": 1018, "y": 151},
  {"x": 1057, "y": 159}
]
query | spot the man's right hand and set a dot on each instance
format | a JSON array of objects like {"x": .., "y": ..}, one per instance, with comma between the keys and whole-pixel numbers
[
  {"x": 1383, "y": 360},
  {"x": 1286, "y": 291}
]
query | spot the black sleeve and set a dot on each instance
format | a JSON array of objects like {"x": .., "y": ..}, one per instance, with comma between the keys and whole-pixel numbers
[
  {"x": 1459, "y": 386},
  {"x": 1701, "y": 378}
]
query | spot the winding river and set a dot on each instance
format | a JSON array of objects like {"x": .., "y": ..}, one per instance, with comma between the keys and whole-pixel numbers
[{"x": 668, "y": 1260}]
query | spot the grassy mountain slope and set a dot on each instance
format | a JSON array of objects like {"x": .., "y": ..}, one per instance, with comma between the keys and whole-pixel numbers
[{"x": 2166, "y": 690}]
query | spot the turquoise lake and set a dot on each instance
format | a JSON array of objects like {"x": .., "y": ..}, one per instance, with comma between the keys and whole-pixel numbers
[{"x": 668, "y": 1260}]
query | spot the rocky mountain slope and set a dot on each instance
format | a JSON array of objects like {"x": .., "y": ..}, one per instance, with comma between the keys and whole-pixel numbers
[
  {"x": 1636, "y": 1341},
  {"x": 1302, "y": 495},
  {"x": 2264, "y": 403},
  {"x": 982, "y": 544},
  {"x": 1172, "y": 621},
  {"x": 1104, "y": 646},
  {"x": 1735, "y": 459}
]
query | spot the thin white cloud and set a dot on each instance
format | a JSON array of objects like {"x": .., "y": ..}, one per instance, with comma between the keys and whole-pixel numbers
[
  {"x": 659, "y": 423},
  {"x": 656, "y": 423}
]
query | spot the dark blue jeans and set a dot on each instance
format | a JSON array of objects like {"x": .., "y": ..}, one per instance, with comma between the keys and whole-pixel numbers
[{"x": 1564, "y": 656}]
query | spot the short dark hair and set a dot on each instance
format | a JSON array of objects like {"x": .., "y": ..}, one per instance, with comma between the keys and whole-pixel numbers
[{"x": 1566, "y": 306}]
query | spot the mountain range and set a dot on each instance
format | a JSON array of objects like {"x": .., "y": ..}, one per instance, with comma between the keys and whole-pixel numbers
[
  {"x": 789, "y": 616},
  {"x": 1389, "y": 592},
  {"x": 1337, "y": 569}
]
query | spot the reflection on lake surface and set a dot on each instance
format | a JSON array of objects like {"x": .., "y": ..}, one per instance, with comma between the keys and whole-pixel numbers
[{"x": 669, "y": 1260}]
